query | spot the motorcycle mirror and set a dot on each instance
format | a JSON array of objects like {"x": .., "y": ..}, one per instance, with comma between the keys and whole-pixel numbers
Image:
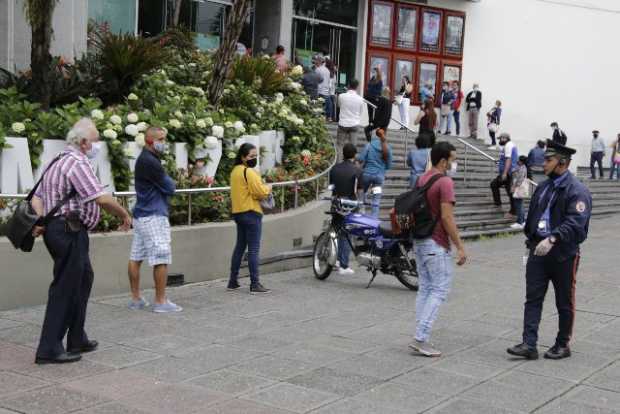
[{"x": 331, "y": 187}]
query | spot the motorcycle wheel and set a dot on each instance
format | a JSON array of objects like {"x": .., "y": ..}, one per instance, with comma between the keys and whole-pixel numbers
[
  {"x": 410, "y": 280},
  {"x": 320, "y": 265}
]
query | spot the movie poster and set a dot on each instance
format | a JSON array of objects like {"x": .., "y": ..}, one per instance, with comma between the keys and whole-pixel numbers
[
  {"x": 454, "y": 35},
  {"x": 431, "y": 24},
  {"x": 381, "y": 24},
  {"x": 407, "y": 21}
]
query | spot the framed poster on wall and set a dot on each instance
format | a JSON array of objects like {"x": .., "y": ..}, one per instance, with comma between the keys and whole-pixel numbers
[
  {"x": 431, "y": 31},
  {"x": 427, "y": 79},
  {"x": 451, "y": 73},
  {"x": 382, "y": 62},
  {"x": 407, "y": 24},
  {"x": 381, "y": 28},
  {"x": 453, "y": 41},
  {"x": 403, "y": 66}
]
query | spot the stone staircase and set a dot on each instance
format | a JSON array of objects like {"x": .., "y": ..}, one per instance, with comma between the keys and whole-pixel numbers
[{"x": 476, "y": 215}]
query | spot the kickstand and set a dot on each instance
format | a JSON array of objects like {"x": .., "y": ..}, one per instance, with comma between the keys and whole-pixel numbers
[{"x": 374, "y": 274}]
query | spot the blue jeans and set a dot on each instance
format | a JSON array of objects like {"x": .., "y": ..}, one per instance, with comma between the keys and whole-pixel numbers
[
  {"x": 344, "y": 251},
  {"x": 413, "y": 179},
  {"x": 434, "y": 264},
  {"x": 457, "y": 121},
  {"x": 369, "y": 181},
  {"x": 520, "y": 212},
  {"x": 328, "y": 105},
  {"x": 616, "y": 168},
  {"x": 249, "y": 226}
]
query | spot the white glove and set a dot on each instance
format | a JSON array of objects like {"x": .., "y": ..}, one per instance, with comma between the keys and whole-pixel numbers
[{"x": 543, "y": 248}]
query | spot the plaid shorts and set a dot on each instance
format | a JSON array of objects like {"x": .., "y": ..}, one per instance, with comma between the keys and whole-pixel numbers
[{"x": 151, "y": 240}]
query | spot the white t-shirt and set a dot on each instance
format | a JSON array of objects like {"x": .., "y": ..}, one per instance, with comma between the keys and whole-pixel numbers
[
  {"x": 325, "y": 77},
  {"x": 508, "y": 150},
  {"x": 351, "y": 107}
]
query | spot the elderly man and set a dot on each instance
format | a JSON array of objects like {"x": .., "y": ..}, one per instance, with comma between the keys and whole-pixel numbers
[
  {"x": 151, "y": 238},
  {"x": 66, "y": 239}
]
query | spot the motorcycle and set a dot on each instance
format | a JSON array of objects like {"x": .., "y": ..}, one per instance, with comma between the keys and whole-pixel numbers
[{"x": 375, "y": 247}]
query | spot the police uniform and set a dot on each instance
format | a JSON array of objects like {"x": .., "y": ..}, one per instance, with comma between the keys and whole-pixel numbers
[{"x": 560, "y": 211}]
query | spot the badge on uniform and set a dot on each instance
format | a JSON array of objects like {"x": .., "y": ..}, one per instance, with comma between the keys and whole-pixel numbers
[
  {"x": 543, "y": 226},
  {"x": 580, "y": 207}
]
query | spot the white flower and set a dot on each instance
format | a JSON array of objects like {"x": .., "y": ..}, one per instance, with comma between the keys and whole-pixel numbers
[
  {"x": 97, "y": 114},
  {"x": 321, "y": 99},
  {"x": 254, "y": 127},
  {"x": 110, "y": 134},
  {"x": 303, "y": 102},
  {"x": 18, "y": 127},
  {"x": 298, "y": 121},
  {"x": 209, "y": 121},
  {"x": 178, "y": 114},
  {"x": 279, "y": 97},
  {"x": 142, "y": 126},
  {"x": 306, "y": 153},
  {"x": 297, "y": 70},
  {"x": 133, "y": 97},
  {"x": 198, "y": 90},
  {"x": 191, "y": 65},
  {"x": 181, "y": 66},
  {"x": 116, "y": 120},
  {"x": 131, "y": 130},
  {"x": 295, "y": 86},
  {"x": 232, "y": 155},
  {"x": 239, "y": 126},
  {"x": 128, "y": 153},
  {"x": 296, "y": 139},
  {"x": 175, "y": 123},
  {"x": 133, "y": 117},
  {"x": 201, "y": 123},
  {"x": 217, "y": 131},
  {"x": 163, "y": 72},
  {"x": 241, "y": 130},
  {"x": 259, "y": 115},
  {"x": 211, "y": 142},
  {"x": 228, "y": 124},
  {"x": 140, "y": 140},
  {"x": 169, "y": 82}
]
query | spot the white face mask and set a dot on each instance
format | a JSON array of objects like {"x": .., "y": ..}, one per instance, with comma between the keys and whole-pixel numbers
[
  {"x": 453, "y": 169},
  {"x": 93, "y": 151}
]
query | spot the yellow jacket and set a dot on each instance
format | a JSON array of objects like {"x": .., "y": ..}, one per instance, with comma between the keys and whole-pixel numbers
[{"x": 246, "y": 192}]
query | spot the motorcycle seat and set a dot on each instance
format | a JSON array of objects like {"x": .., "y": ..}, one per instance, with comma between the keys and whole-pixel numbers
[{"x": 386, "y": 231}]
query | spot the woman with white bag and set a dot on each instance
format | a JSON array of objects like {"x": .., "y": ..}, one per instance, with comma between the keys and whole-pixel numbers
[
  {"x": 520, "y": 189},
  {"x": 493, "y": 119},
  {"x": 403, "y": 99}
]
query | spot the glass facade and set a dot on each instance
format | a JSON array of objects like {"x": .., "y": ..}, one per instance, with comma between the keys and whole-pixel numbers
[
  {"x": 119, "y": 14},
  {"x": 337, "y": 11}
]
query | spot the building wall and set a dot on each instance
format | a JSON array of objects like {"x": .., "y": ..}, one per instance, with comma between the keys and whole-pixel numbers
[
  {"x": 268, "y": 23},
  {"x": 546, "y": 61}
]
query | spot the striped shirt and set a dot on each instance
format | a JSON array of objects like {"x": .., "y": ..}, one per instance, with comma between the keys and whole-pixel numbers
[{"x": 72, "y": 171}]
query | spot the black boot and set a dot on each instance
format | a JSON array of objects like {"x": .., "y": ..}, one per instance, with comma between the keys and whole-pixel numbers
[
  {"x": 523, "y": 350},
  {"x": 557, "y": 352}
]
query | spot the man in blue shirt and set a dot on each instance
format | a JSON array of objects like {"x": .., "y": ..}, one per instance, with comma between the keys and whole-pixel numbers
[
  {"x": 535, "y": 160},
  {"x": 376, "y": 159},
  {"x": 508, "y": 157},
  {"x": 151, "y": 226},
  {"x": 556, "y": 225}
]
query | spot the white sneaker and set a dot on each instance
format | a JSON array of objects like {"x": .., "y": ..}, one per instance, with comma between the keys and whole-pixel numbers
[
  {"x": 492, "y": 147},
  {"x": 346, "y": 272},
  {"x": 517, "y": 226}
]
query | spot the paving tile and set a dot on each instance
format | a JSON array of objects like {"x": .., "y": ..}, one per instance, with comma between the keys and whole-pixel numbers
[
  {"x": 274, "y": 367},
  {"x": 343, "y": 344},
  {"x": 477, "y": 371},
  {"x": 335, "y": 381},
  {"x": 576, "y": 368},
  {"x": 216, "y": 356},
  {"x": 13, "y": 356},
  {"x": 563, "y": 406},
  {"x": 608, "y": 378},
  {"x": 113, "y": 385},
  {"x": 51, "y": 400},
  {"x": 63, "y": 372},
  {"x": 243, "y": 407},
  {"x": 461, "y": 406},
  {"x": 5, "y": 324},
  {"x": 259, "y": 343},
  {"x": 375, "y": 367},
  {"x": 231, "y": 382},
  {"x": 435, "y": 381},
  {"x": 350, "y": 406},
  {"x": 177, "y": 398},
  {"x": 291, "y": 397},
  {"x": 11, "y": 382},
  {"x": 314, "y": 354},
  {"x": 112, "y": 408},
  {"x": 167, "y": 369},
  {"x": 594, "y": 397},
  {"x": 27, "y": 335},
  {"x": 121, "y": 356},
  {"x": 399, "y": 397},
  {"x": 165, "y": 344}
]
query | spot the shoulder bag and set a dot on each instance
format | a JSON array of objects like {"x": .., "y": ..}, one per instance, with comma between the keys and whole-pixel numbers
[{"x": 268, "y": 204}]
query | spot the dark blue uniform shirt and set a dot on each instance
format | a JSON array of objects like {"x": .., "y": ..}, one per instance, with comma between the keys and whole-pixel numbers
[
  {"x": 570, "y": 211},
  {"x": 153, "y": 186}
]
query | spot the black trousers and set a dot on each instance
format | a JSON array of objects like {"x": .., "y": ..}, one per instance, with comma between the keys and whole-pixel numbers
[
  {"x": 539, "y": 272},
  {"x": 69, "y": 292},
  {"x": 596, "y": 158},
  {"x": 496, "y": 184}
]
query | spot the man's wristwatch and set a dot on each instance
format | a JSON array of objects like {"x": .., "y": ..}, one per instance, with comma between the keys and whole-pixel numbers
[{"x": 553, "y": 239}]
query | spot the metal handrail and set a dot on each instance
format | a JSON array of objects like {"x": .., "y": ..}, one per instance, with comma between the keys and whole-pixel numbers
[{"x": 478, "y": 150}]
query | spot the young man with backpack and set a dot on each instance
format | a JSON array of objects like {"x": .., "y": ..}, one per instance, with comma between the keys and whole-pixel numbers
[{"x": 432, "y": 250}]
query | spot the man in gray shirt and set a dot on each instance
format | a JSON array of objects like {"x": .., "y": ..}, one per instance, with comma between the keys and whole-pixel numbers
[{"x": 597, "y": 154}]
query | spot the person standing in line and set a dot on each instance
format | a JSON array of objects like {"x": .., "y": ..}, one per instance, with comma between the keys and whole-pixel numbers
[
  {"x": 280, "y": 58},
  {"x": 433, "y": 256},
  {"x": 473, "y": 103},
  {"x": 376, "y": 159},
  {"x": 597, "y": 154},
  {"x": 374, "y": 90},
  {"x": 382, "y": 114},
  {"x": 516, "y": 188},
  {"x": 310, "y": 82},
  {"x": 151, "y": 234},
  {"x": 418, "y": 160},
  {"x": 557, "y": 224},
  {"x": 506, "y": 167},
  {"x": 446, "y": 99},
  {"x": 323, "y": 88},
  {"x": 456, "y": 106},
  {"x": 246, "y": 192},
  {"x": 66, "y": 239},
  {"x": 351, "y": 108},
  {"x": 558, "y": 135},
  {"x": 427, "y": 119},
  {"x": 494, "y": 117},
  {"x": 333, "y": 84},
  {"x": 345, "y": 177},
  {"x": 615, "y": 159},
  {"x": 427, "y": 92},
  {"x": 535, "y": 160},
  {"x": 406, "y": 89}
]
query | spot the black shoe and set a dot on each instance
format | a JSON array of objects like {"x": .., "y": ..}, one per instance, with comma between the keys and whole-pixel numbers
[
  {"x": 523, "y": 350},
  {"x": 258, "y": 288},
  {"x": 89, "y": 346},
  {"x": 233, "y": 286},
  {"x": 64, "y": 358},
  {"x": 557, "y": 352}
]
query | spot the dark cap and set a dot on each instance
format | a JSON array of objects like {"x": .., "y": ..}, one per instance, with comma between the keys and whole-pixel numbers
[
  {"x": 595, "y": 131},
  {"x": 556, "y": 149},
  {"x": 553, "y": 124}
]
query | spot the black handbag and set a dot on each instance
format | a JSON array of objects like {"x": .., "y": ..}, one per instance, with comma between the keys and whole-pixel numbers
[{"x": 23, "y": 220}]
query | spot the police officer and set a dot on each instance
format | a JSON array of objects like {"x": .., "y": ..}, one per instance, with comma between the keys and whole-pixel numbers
[{"x": 556, "y": 225}]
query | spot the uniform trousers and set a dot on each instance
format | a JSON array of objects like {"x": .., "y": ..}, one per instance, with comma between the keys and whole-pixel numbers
[
  {"x": 540, "y": 271},
  {"x": 69, "y": 292}
]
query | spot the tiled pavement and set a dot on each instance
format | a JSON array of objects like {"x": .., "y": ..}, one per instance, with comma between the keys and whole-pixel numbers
[{"x": 332, "y": 347}]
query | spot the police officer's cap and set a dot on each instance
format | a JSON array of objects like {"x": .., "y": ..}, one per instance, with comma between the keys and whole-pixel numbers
[
  {"x": 595, "y": 131},
  {"x": 554, "y": 148},
  {"x": 553, "y": 124}
]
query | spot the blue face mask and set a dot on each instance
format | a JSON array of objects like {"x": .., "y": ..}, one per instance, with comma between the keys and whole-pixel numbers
[
  {"x": 160, "y": 147},
  {"x": 92, "y": 153}
]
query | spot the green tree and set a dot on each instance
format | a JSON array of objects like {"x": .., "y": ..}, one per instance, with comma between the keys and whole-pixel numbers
[
  {"x": 226, "y": 52},
  {"x": 39, "y": 14}
]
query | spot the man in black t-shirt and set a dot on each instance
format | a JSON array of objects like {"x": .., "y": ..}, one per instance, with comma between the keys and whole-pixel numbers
[{"x": 344, "y": 177}]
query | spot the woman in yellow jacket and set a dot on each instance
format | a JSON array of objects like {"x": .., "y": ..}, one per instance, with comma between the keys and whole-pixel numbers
[{"x": 246, "y": 191}]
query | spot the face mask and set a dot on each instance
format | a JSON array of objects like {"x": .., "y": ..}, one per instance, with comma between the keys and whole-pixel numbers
[
  {"x": 453, "y": 169},
  {"x": 251, "y": 163},
  {"x": 92, "y": 153},
  {"x": 160, "y": 147},
  {"x": 476, "y": 89}
]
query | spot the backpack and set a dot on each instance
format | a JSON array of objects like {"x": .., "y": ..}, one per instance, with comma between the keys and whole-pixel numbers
[{"x": 412, "y": 214}]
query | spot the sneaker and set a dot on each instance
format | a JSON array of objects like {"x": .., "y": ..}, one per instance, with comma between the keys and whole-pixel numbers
[
  {"x": 492, "y": 147},
  {"x": 167, "y": 307},
  {"x": 523, "y": 350},
  {"x": 137, "y": 304},
  {"x": 258, "y": 289},
  {"x": 233, "y": 286},
  {"x": 509, "y": 216},
  {"x": 425, "y": 348},
  {"x": 557, "y": 352},
  {"x": 346, "y": 271},
  {"x": 517, "y": 226}
]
